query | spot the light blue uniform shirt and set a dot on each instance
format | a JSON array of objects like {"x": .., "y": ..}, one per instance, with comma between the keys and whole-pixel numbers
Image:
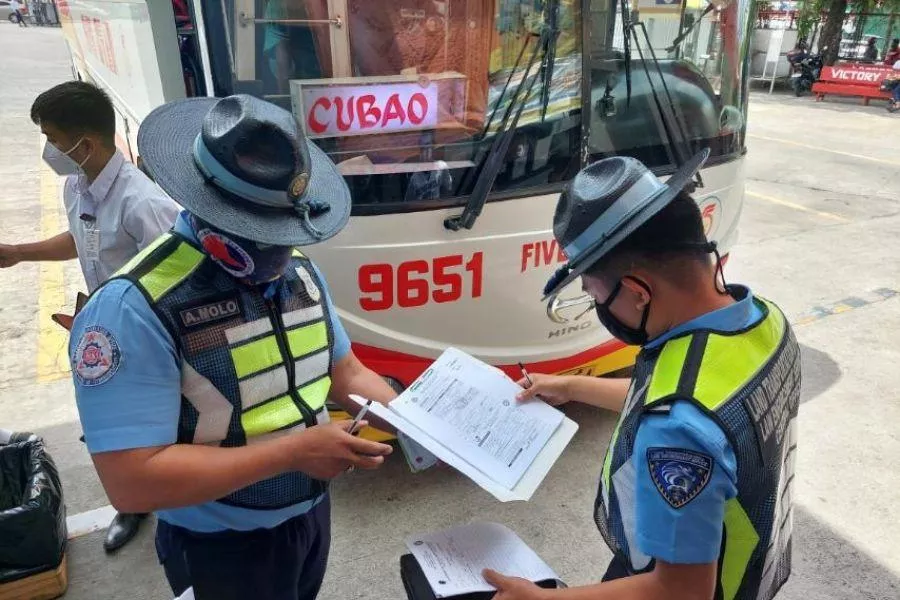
[
  {"x": 128, "y": 390},
  {"x": 690, "y": 534}
]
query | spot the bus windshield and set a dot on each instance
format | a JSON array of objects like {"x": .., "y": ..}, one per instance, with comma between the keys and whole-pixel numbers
[
  {"x": 407, "y": 96},
  {"x": 700, "y": 73}
]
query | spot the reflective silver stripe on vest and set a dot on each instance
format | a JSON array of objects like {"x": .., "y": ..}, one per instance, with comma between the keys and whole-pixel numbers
[
  {"x": 214, "y": 410},
  {"x": 630, "y": 399},
  {"x": 246, "y": 331},
  {"x": 303, "y": 315},
  {"x": 624, "y": 483},
  {"x": 782, "y": 524},
  {"x": 270, "y": 384},
  {"x": 258, "y": 388}
]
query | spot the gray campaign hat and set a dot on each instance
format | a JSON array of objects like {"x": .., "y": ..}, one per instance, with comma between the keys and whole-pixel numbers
[
  {"x": 604, "y": 204},
  {"x": 243, "y": 165}
]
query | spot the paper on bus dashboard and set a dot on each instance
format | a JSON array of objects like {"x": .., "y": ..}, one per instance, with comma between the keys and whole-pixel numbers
[
  {"x": 452, "y": 560},
  {"x": 465, "y": 412}
]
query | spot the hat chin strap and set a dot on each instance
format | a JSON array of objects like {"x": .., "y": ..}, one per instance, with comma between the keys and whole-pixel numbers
[
  {"x": 304, "y": 209},
  {"x": 216, "y": 173}
]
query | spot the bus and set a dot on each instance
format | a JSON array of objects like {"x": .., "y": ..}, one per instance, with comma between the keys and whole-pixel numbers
[{"x": 456, "y": 124}]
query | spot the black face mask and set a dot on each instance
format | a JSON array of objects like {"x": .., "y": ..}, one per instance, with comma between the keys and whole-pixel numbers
[{"x": 634, "y": 336}]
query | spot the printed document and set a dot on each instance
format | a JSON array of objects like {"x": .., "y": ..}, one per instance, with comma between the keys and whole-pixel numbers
[
  {"x": 452, "y": 560},
  {"x": 465, "y": 412}
]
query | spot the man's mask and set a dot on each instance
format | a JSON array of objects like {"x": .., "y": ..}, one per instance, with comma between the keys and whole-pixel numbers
[
  {"x": 61, "y": 162},
  {"x": 630, "y": 335},
  {"x": 249, "y": 261}
]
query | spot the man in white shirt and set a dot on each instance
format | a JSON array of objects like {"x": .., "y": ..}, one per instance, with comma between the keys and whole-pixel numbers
[
  {"x": 114, "y": 210},
  {"x": 16, "y": 7}
]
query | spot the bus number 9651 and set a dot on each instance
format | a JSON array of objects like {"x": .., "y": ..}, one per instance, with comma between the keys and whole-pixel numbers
[{"x": 416, "y": 282}]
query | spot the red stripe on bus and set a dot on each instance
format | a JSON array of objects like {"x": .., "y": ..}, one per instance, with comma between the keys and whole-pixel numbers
[{"x": 406, "y": 367}]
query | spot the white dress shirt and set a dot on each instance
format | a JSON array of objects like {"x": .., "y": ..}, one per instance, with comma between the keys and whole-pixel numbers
[{"x": 115, "y": 217}]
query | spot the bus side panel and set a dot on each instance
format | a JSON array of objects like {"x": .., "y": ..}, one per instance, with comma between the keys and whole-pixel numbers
[{"x": 128, "y": 50}]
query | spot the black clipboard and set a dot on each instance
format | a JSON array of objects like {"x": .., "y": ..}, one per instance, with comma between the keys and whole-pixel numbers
[
  {"x": 65, "y": 321},
  {"x": 417, "y": 587}
]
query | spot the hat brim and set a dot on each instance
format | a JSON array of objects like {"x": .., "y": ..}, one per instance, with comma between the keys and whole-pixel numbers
[
  {"x": 165, "y": 145},
  {"x": 655, "y": 203}
]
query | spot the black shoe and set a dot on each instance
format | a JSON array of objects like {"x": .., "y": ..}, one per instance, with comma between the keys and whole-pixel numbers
[{"x": 124, "y": 526}]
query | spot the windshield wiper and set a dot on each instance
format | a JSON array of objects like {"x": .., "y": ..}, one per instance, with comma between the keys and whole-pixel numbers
[
  {"x": 552, "y": 29},
  {"x": 673, "y": 125},
  {"x": 681, "y": 37},
  {"x": 496, "y": 156}
]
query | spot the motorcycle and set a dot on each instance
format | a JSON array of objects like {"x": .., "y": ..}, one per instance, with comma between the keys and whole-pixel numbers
[{"x": 805, "y": 70}]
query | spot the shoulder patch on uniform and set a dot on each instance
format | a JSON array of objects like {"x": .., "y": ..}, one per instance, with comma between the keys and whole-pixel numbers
[
  {"x": 97, "y": 356},
  {"x": 679, "y": 475}
]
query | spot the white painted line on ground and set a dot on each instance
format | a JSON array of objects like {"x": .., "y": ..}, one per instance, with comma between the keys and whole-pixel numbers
[
  {"x": 823, "y": 149},
  {"x": 795, "y": 206},
  {"x": 90, "y": 521}
]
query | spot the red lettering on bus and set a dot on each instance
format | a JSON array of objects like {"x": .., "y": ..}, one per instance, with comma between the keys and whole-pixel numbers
[
  {"x": 339, "y": 107},
  {"x": 539, "y": 254},
  {"x": 393, "y": 110},
  {"x": 413, "y": 287},
  {"x": 420, "y": 99},
  {"x": 369, "y": 114},
  {"x": 315, "y": 125}
]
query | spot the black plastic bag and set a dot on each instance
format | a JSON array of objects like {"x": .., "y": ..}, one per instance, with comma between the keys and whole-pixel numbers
[{"x": 32, "y": 511}]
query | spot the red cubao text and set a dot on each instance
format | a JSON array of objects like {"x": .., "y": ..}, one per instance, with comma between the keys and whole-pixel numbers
[{"x": 341, "y": 110}]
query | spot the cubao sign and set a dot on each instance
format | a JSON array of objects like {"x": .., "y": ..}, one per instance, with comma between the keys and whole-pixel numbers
[{"x": 366, "y": 108}]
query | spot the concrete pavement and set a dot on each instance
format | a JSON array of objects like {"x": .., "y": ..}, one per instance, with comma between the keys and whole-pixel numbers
[{"x": 818, "y": 236}]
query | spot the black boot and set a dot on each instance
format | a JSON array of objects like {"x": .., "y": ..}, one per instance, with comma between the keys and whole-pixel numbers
[{"x": 123, "y": 527}]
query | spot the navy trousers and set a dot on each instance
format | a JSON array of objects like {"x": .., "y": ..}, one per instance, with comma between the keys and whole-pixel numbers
[{"x": 284, "y": 563}]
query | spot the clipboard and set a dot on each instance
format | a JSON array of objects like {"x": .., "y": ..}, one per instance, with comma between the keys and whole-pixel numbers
[
  {"x": 417, "y": 587},
  {"x": 66, "y": 321}
]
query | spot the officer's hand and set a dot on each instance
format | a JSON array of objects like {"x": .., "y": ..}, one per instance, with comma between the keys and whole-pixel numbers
[
  {"x": 512, "y": 588},
  {"x": 326, "y": 451},
  {"x": 552, "y": 389},
  {"x": 9, "y": 255}
]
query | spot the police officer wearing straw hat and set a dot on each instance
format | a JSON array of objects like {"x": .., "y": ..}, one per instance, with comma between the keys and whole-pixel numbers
[
  {"x": 695, "y": 493},
  {"x": 203, "y": 367}
]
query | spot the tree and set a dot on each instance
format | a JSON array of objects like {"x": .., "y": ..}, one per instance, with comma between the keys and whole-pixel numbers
[
  {"x": 832, "y": 31},
  {"x": 836, "y": 11}
]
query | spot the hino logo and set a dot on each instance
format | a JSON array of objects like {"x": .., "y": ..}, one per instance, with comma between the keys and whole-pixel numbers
[
  {"x": 571, "y": 309},
  {"x": 567, "y": 330}
]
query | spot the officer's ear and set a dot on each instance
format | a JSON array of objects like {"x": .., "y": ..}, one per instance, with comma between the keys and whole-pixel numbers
[{"x": 640, "y": 289}]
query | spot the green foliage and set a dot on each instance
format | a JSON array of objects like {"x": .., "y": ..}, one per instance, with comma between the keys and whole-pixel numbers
[{"x": 811, "y": 11}]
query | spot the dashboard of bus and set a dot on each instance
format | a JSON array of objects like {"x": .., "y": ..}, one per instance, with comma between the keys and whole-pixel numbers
[{"x": 409, "y": 96}]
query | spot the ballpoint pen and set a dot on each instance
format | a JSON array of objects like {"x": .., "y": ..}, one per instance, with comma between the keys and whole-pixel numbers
[
  {"x": 359, "y": 417},
  {"x": 527, "y": 376}
]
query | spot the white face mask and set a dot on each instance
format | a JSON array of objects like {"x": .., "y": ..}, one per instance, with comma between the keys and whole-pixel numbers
[{"x": 61, "y": 163}]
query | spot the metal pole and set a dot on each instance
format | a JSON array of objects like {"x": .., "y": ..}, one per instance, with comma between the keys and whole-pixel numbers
[{"x": 248, "y": 20}]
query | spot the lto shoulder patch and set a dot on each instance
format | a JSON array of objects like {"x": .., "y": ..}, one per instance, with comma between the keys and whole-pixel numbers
[
  {"x": 97, "y": 356},
  {"x": 679, "y": 475}
]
